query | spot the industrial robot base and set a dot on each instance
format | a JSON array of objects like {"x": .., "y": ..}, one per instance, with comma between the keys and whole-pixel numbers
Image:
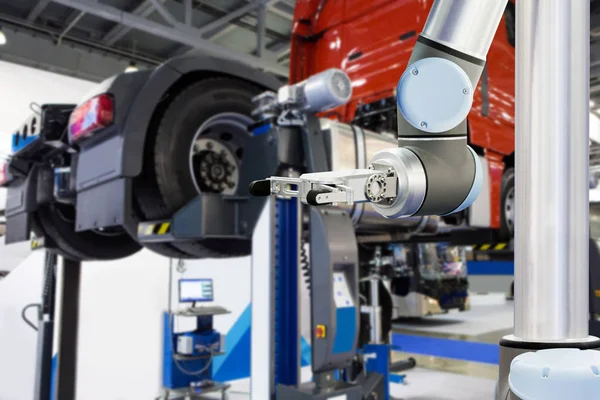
[{"x": 511, "y": 347}]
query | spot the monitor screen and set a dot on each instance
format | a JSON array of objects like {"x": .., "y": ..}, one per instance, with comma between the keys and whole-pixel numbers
[{"x": 192, "y": 290}]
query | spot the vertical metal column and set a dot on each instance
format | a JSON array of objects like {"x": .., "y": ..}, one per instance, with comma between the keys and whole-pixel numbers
[
  {"x": 552, "y": 117},
  {"x": 275, "y": 337},
  {"x": 45, "y": 332},
  {"x": 375, "y": 310},
  {"x": 286, "y": 355},
  {"x": 66, "y": 368}
]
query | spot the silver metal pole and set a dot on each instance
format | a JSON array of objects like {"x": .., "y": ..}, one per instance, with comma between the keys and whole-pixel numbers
[
  {"x": 375, "y": 310},
  {"x": 465, "y": 25},
  {"x": 552, "y": 113},
  {"x": 579, "y": 228},
  {"x": 375, "y": 315}
]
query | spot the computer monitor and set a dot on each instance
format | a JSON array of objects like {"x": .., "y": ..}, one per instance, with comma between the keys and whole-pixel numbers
[{"x": 195, "y": 290}]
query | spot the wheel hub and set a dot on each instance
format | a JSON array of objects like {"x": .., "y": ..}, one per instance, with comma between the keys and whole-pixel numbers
[
  {"x": 215, "y": 166},
  {"x": 509, "y": 208},
  {"x": 216, "y": 153}
]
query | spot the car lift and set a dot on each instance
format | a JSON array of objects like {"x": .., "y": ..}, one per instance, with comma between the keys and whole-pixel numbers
[
  {"x": 61, "y": 384},
  {"x": 286, "y": 142}
]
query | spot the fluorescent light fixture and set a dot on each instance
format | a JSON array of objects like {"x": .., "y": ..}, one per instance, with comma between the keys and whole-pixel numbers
[
  {"x": 2, "y": 37},
  {"x": 132, "y": 67}
]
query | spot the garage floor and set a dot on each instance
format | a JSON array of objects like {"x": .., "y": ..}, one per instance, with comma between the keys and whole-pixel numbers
[
  {"x": 422, "y": 384},
  {"x": 461, "y": 343},
  {"x": 456, "y": 353}
]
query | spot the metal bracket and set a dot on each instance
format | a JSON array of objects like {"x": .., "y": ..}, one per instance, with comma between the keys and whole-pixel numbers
[{"x": 377, "y": 184}]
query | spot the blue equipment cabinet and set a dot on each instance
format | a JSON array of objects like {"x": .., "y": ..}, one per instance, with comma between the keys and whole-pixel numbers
[{"x": 188, "y": 356}]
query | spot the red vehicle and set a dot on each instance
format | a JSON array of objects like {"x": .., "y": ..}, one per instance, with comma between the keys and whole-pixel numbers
[
  {"x": 119, "y": 167},
  {"x": 372, "y": 42}
]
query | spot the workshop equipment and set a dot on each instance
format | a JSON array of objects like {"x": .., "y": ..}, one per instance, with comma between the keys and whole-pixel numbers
[
  {"x": 432, "y": 171},
  {"x": 377, "y": 353},
  {"x": 188, "y": 356},
  {"x": 334, "y": 257}
]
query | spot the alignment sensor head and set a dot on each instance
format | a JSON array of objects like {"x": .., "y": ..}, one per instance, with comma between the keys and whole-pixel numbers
[{"x": 326, "y": 90}]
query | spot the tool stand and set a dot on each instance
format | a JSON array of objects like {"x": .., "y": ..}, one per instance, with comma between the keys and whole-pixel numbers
[{"x": 178, "y": 369}]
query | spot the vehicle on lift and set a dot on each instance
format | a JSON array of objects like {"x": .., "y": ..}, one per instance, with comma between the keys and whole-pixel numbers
[
  {"x": 138, "y": 148},
  {"x": 428, "y": 279},
  {"x": 341, "y": 35}
]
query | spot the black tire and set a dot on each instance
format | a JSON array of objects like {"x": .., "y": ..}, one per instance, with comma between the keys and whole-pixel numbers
[
  {"x": 168, "y": 250},
  {"x": 507, "y": 194},
  {"x": 52, "y": 221},
  {"x": 167, "y": 186}
]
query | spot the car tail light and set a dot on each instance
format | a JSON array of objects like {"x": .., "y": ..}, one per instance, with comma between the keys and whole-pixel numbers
[
  {"x": 4, "y": 175},
  {"x": 96, "y": 113}
]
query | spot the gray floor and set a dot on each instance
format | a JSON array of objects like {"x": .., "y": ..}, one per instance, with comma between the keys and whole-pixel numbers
[
  {"x": 422, "y": 384},
  {"x": 490, "y": 318},
  {"x": 488, "y": 314},
  {"x": 426, "y": 384}
]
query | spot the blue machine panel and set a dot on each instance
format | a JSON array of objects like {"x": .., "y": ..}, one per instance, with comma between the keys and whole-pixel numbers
[
  {"x": 490, "y": 268},
  {"x": 345, "y": 331},
  {"x": 261, "y": 129},
  {"x": 286, "y": 353},
  {"x": 18, "y": 142}
]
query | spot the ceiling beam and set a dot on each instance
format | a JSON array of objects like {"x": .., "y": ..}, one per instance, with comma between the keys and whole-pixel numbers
[
  {"x": 225, "y": 20},
  {"x": 117, "y": 33},
  {"x": 272, "y": 8},
  {"x": 40, "y": 51},
  {"x": 37, "y": 10},
  {"x": 167, "y": 16},
  {"x": 73, "y": 19},
  {"x": 193, "y": 39},
  {"x": 260, "y": 29},
  {"x": 188, "y": 8}
]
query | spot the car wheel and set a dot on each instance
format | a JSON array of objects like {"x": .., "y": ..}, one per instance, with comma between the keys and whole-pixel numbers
[
  {"x": 197, "y": 148},
  {"x": 57, "y": 222},
  {"x": 507, "y": 205}
]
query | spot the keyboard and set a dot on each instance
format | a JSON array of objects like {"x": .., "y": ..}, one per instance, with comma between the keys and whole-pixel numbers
[{"x": 206, "y": 310}]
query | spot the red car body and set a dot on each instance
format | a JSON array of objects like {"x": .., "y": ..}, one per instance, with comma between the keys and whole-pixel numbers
[{"x": 372, "y": 42}]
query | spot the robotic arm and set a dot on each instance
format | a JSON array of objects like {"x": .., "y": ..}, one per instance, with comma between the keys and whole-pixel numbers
[{"x": 432, "y": 171}]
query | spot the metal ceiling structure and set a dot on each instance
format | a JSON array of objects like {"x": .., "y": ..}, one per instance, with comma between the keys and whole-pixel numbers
[
  {"x": 92, "y": 39},
  {"x": 95, "y": 39}
]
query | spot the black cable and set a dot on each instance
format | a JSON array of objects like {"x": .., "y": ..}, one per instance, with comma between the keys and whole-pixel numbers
[
  {"x": 24, "y": 317},
  {"x": 49, "y": 284},
  {"x": 305, "y": 265}
]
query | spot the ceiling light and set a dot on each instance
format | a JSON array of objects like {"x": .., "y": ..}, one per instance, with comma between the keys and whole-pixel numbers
[
  {"x": 132, "y": 67},
  {"x": 2, "y": 37}
]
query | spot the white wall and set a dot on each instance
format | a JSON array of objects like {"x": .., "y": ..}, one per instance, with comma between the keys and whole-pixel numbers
[
  {"x": 19, "y": 87},
  {"x": 13, "y": 255},
  {"x": 17, "y": 340}
]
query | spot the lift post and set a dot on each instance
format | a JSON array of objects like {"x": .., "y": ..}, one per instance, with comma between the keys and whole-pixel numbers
[
  {"x": 552, "y": 211},
  {"x": 45, "y": 331},
  {"x": 66, "y": 360}
]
